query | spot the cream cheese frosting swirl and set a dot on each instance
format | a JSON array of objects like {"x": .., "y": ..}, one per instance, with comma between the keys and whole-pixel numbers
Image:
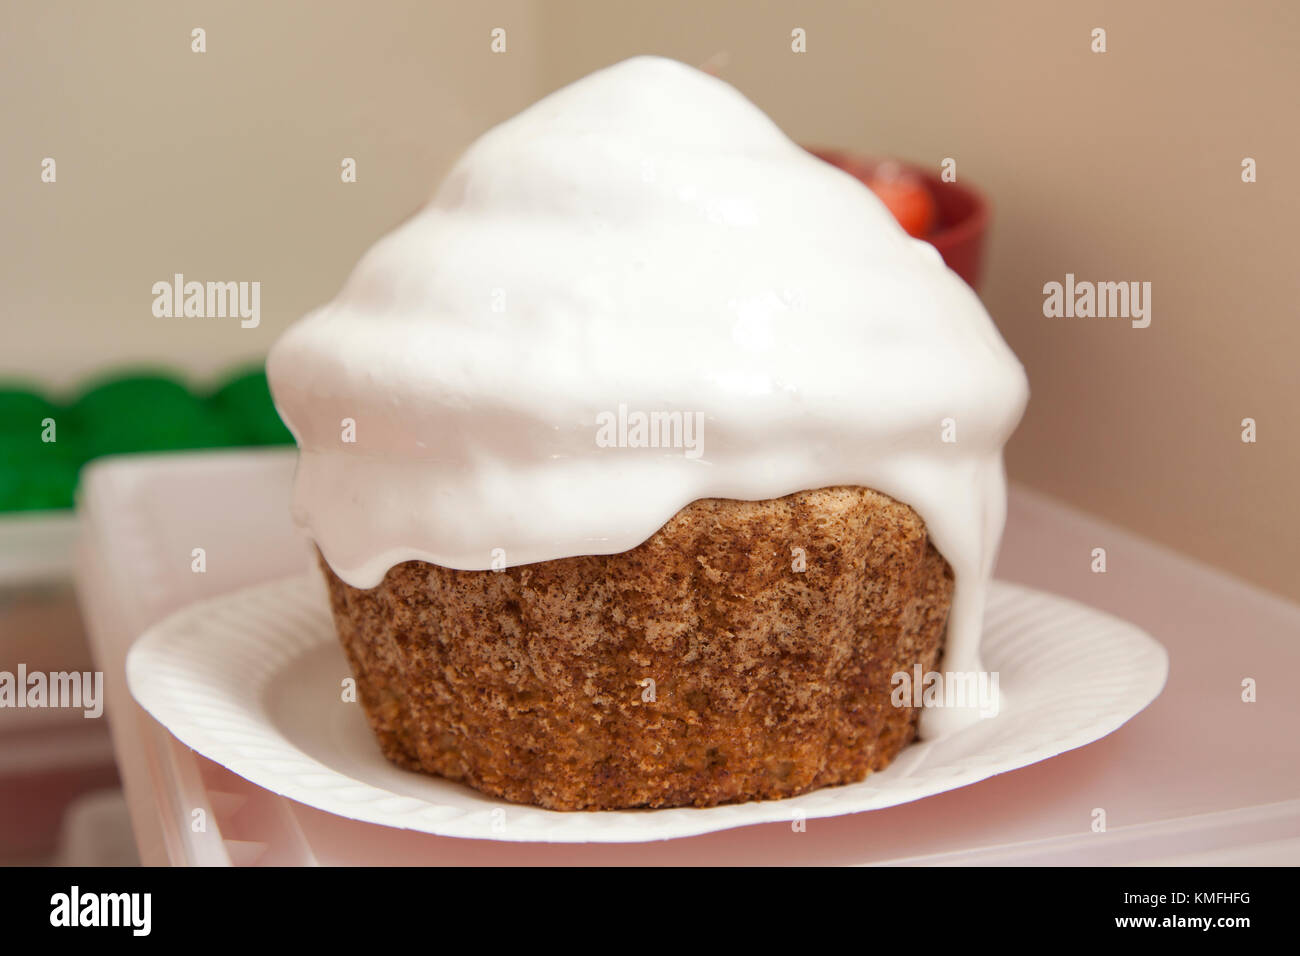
[{"x": 643, "y": 241}]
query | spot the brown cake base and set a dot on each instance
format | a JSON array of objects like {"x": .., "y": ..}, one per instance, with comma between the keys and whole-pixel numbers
[{"x": 533, "y": 683}]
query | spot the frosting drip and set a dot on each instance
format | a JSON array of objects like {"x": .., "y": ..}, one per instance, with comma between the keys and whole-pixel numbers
[{"x": 644, "y": 238}]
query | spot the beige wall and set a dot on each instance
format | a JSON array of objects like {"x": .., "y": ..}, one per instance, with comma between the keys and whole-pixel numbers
[
  {"x": 1118, "y": 166},
  {"x": 223, "y": 165}
]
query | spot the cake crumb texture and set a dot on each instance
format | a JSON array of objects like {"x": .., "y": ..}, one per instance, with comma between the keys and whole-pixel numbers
[{"x": 533, "y": 683}]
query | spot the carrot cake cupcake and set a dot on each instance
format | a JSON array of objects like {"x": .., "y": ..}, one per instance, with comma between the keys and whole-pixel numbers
[{"x": 643, "y": 458}]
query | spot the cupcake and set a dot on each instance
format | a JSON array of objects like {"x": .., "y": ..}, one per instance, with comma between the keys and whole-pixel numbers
[{"x": 644, "y": 458}]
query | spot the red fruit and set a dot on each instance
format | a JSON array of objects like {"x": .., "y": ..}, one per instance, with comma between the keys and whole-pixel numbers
[{"x": 906, "y": 196}]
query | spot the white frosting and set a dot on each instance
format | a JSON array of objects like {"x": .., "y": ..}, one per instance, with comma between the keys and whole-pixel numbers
[{"x": 644, "y": 237}]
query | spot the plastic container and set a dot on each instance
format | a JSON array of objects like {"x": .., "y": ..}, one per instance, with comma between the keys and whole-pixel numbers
[
  {"x": 1149, "y": 776},
  {"x": 48, "y": 756}
]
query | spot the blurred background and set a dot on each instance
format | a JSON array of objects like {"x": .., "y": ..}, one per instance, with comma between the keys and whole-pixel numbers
[{"x": 225, "y": 165}]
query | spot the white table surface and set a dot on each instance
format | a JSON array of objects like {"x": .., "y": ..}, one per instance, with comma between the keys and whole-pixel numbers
[{"x": 1199, "y": 777}]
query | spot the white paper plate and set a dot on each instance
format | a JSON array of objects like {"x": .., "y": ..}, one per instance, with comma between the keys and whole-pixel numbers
[{"x": 253, "y": 680}]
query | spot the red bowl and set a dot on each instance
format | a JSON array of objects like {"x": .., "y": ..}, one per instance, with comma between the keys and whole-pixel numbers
[{"x": 962, "y": 212}]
